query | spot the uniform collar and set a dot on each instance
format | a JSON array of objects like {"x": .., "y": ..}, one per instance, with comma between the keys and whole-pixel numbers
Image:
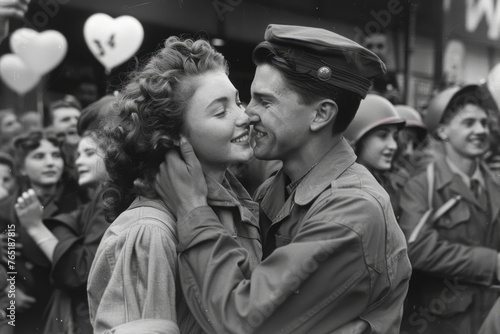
[
  {"x": 334, "y": 163},
  {"x": 229, "y": 193},
  {"x": 477, "y": 175},
  {"x": 445, "y": 177}
]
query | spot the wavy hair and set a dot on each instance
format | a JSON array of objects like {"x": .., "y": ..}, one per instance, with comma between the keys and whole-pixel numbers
[
  {"x": 149, "y": 118},
  {"x": 23, "y": 144}
]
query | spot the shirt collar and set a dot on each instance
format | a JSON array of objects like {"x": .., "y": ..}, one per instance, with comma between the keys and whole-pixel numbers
[
  {"x": 334, "y": 163},
  {"x": 229, "y": 193},
  {"x": 477, "y": 175},
  {"x": 293, "y": 185}
]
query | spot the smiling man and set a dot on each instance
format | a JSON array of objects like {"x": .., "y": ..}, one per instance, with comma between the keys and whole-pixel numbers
[
  {"x": 455, "y": 256},
  {"x": 334, "y": 257},
  {"x": 64, "y": 115}
]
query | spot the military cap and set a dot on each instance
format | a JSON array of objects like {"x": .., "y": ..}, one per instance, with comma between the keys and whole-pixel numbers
[{"x": 325, "y": 55}]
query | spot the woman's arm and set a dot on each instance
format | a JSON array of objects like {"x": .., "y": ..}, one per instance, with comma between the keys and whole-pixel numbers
[
  {"x": 79, "y": 234},
  {"x": 29, "y": 212}
]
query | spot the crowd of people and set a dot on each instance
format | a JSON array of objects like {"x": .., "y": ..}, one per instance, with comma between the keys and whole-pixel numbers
[{"x": 352, "y": 215}]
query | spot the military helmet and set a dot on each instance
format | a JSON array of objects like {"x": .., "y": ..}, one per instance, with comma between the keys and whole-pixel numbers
[
  {"x": 412, "y": 118},
  {"x": 439, "y": 103},
  {"x": 373, "y": 112}
]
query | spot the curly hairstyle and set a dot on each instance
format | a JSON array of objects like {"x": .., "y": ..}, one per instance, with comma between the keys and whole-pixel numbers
[
  {"x": 150, "y": 117},
  {"x": 93, "y": 115}
]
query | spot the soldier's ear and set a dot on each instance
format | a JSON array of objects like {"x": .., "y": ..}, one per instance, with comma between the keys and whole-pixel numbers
[
  {"x": 441, "y": 134},
  {"x": 325, "y": 113}
]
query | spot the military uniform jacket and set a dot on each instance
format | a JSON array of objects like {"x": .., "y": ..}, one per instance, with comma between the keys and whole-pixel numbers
[
  {"x": 454, "y": 258},
  {"x": 334, "y": 254}
]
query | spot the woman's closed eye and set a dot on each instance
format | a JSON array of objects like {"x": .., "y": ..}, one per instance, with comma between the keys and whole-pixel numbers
[
  {"x": 221, "y": 113},
  {"x": 89, "y": 153}
]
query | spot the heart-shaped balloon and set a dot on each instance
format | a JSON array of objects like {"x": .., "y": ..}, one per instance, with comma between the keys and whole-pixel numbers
[
  {"x": 41, "y": 52},
  {"x": 16, "y": 75},
  {"x": 113, "y": 41}
]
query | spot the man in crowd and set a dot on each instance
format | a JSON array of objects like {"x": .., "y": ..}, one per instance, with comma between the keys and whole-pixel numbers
[
  {"x": 455, "y": 252},
  {"x": 64, "y": 115}
]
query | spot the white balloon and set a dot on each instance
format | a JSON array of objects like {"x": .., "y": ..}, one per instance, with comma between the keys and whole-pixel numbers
[
  {"x": 113, "y": 41},
  {"x": 41, "y": 52},
  {"x": 16, "y": 75}
]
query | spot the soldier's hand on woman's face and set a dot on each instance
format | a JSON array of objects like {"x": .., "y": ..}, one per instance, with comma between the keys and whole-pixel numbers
[{"x": 180, "y": 182}]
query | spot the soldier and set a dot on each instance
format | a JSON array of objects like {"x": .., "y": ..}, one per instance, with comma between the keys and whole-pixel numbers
[
  {"x": 450, "y": 218},
  {"x": 373, "y": 134},
  {"x": 333, "y": 252}
]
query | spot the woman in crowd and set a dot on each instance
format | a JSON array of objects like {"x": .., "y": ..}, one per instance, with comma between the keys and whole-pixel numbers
[
  {"x": 9, "y": 127},
  {"x": 373, "y": 134},
  {"x": 74, "y": 237},
  {"x": 451, "y": 222},
  {"x": 40, "y": 165},
  {"x": 183, "y": 91},
  {"x": 8, "y": 183}
]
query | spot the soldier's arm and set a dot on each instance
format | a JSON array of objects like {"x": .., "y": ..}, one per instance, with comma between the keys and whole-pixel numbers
[{"x": 288, "y": 287}]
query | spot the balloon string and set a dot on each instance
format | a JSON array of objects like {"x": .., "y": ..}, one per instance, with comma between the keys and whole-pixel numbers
[
  {"x": 39, "y": 99},
  {"x": 20, "y": 103}
]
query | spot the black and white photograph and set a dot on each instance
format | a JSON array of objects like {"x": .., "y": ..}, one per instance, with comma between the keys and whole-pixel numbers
[{"x": 249, "y": 167}]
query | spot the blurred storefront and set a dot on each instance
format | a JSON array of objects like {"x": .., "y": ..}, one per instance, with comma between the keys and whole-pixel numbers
[{"x": 471, "y": 39}]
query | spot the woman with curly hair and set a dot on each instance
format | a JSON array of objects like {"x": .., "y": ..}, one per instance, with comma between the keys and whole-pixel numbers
[{"x": 182, "y": 92}]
